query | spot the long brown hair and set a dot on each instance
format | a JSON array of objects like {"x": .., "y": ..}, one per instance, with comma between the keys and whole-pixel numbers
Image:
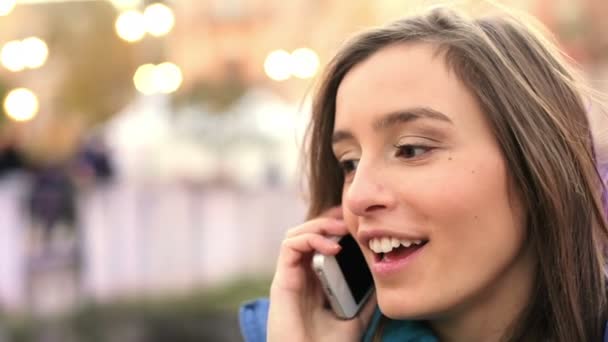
[{"x": 535, "y": 105}]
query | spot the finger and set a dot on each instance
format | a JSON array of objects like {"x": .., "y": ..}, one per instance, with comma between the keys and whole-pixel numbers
[
  {"x": 320, "y": 225},
  {"x": 310, "y": 242},
  {"x": 292, "y": 249}
]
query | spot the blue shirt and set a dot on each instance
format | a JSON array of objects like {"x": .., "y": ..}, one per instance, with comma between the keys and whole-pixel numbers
[{"x": 253, "y": 317}]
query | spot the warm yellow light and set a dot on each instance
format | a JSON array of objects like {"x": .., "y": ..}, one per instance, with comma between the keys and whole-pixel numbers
[
  {"x": 7, "y": 6},
  {"x": 11, "y": 56},
  {"x": 167, "y": 77},
  {"x": 30, "y": 53},
  {"x": 144, "y": 79},
  {"x": 278, "y": 65},
  {"x": 159, "y": 19},
  {"x": 163, "y": 78},
  {"x": 21, "y": 104},
  {"x": 130, "y": 26},
  {"x": 304, "y": 63},
  {"x": 34, "y": 51}
]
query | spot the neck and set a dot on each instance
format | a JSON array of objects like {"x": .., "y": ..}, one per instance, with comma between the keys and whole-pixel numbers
[{"x": 490, "y": 315}]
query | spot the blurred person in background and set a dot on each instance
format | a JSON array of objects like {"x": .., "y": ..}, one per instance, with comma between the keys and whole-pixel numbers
[
  {"x": 51, "y": 203},
  {"x": 472, "y": 136},
  {"x": 54, "y": 188},
  {"x": 11, "y": 158},
  {"x": 92, "y": 164}
]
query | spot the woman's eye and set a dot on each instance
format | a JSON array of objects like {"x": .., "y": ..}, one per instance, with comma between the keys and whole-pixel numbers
[
  {"x": 349, "y": 165},
  {"x": 411, "y": 151}
]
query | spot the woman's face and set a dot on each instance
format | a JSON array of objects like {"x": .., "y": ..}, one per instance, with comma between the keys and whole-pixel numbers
[{"x": 423, "y": 169}]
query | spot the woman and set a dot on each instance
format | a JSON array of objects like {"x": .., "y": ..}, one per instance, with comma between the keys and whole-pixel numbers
[{"x": 471, "y": 136}]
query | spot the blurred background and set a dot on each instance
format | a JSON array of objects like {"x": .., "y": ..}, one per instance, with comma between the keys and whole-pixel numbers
[{"x": 149, "y": 152}]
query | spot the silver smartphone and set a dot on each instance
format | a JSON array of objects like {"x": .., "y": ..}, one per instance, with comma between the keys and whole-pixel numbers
[{"x": 345, "y": 278}]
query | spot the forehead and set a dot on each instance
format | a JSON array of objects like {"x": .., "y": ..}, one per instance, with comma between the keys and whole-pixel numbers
[{"x": 397, "y": 77}]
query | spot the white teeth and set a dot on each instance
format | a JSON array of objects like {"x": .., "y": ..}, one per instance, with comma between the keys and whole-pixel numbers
[
  {"x": 387, "y": 244},
  {"x": 377, "y": 244}
]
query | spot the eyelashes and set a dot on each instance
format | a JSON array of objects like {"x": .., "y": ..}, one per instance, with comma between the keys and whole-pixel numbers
[
  {"x": 411, "y": 151},
  {"x": 349, "y": 165},
  {"x": 407, "y": 152}
]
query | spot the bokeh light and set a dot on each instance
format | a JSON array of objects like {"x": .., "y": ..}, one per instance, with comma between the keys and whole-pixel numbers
[
  {"x": 30, "y": 53},
  {"x": 21, "y": 104},
  {"x": 159, "y": 19},
  {"x": 130, "y": 26},
  {"x": 304, "y": 63},
  {"x": 167, "y": 77},
  {"x": 34, "y": 51},
  {"x": 11, "y": 56},
  {"x": 153, "y": 79},
  {"x": 278, "y": 65},
  {"x": 7, "y": 6},
  {"x": 144, "y": 79}
]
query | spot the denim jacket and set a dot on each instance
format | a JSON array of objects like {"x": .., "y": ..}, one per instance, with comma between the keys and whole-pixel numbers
[{"x": 253, "y": 317}]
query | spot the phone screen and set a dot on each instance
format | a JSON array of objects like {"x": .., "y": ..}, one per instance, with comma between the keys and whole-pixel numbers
[{"x": 355, "y": 270}]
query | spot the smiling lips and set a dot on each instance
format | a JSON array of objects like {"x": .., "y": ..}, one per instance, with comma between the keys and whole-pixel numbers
[
  {"x": 391, "y": 254},
  {"x": 387, "y": 244}
]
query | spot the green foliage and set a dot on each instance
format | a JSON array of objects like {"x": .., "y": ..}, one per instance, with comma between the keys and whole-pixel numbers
[
  {"x": 3, "y": 93},
  {"x": 206, "y": 315},
  {"x": 99, "y": 66},
  {"x": 218, "y": 95}
]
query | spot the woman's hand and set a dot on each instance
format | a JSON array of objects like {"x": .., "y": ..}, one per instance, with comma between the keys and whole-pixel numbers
[{"x": 297, "y": 303}]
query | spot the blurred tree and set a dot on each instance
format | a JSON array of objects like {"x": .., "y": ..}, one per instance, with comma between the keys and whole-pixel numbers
[
  {"x": 3, "y": 92},
  {"x": 87, "y": 77},
  {"x": 217, "y": 95},
  {"x": 98, "y": 65}
]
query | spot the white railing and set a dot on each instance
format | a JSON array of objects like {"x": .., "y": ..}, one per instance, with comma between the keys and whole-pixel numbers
[{"x": 146, "y": 239}]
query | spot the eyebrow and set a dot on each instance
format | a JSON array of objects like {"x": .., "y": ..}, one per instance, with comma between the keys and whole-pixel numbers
[{"x": 397, "y": 117}]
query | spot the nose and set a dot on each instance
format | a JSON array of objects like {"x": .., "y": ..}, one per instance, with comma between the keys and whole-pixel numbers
[{"x": 368, "y": 192}]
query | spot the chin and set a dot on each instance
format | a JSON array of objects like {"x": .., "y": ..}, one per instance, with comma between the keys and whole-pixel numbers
[{"x": 395, "y": 305}]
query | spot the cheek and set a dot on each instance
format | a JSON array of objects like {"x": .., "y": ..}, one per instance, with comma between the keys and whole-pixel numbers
[
  {"x": 477, "y": 221},
  {"x": 477, "y": 201}
]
